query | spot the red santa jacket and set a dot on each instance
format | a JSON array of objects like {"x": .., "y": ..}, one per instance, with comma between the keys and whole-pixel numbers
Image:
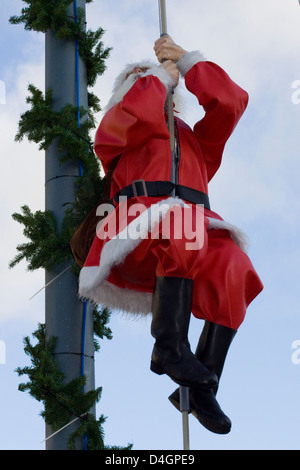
[{"x": 136, "y": 129}]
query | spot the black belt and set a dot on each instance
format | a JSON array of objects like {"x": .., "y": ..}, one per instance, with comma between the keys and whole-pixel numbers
[{"x": 162, "y": 188}]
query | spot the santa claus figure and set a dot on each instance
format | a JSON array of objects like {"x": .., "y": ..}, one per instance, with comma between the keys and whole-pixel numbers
[{"x": 162, "y": 250}]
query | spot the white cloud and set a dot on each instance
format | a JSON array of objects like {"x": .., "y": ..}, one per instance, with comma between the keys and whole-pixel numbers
[{"x": 22, "y": 182}]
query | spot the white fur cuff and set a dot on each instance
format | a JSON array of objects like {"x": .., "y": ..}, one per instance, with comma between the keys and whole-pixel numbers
[{"x": 188, "y": 61}]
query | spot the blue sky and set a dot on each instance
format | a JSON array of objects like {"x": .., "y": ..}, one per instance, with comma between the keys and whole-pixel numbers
[{"x": 257, "y": 188}]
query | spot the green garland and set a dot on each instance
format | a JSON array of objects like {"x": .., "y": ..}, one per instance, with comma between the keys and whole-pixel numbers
[
  {"x": 62, "y": 402},
  {"x": 47, "y": 245},
  {"x": 41, "y": 124},
  {"x": 41, "y": 16}
]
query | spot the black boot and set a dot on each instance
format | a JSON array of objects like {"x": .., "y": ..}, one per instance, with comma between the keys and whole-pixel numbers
[
  {"x": 212, "y": 350},
  {"x": 171, "y": 311},
  {"x": 205, "y": 407},
  {"x": 213, "y": 347}
]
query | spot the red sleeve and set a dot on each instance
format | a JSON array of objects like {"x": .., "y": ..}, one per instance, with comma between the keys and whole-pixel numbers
[
  {"x": 132, "y": 122},
  {"x": 223, "y": 101}
]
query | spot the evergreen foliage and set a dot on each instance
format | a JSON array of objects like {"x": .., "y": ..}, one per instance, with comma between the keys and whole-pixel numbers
[
  {"x": 48, "y": 246},
  {"x": 62, "y": 401},
  {"x": 41, "y": 125}
]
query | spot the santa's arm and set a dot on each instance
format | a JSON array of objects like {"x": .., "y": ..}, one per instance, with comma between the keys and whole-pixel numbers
[
  {"x": 136, "y": 119},
  {"x": 223, "y": 101}
]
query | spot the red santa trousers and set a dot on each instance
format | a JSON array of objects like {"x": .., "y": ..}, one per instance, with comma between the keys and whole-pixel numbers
[{"x": 120, "y": 272}]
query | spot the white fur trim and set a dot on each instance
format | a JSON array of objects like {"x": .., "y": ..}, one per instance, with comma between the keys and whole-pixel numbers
[
  {"x": 127, "y": 301},
  {"x": 129, "y": 67},
  {"x": 164, "y": 77},
  {"x": 123, "y": 85},
  {"x": 239, "y": 237},
  {"x": 115, "y": 250},
  {"x": 188, "y": 61},
  {"x": 92, "y": 279},
  {"x": 118, "y": 95}
]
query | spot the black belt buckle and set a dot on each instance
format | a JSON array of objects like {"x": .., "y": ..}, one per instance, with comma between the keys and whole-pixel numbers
[{"x": 134, "y": 189}]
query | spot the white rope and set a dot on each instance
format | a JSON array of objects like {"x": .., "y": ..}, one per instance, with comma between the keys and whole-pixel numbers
[
  {"x": 65, "y": 426},
  {"x": 50, "y": 282}
]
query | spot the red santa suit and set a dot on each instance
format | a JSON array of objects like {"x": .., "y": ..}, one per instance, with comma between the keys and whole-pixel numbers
[{"x": 123, "y": 262}]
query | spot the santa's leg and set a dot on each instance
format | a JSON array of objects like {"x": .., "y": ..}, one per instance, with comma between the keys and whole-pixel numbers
[
  {"x": 213, "y": 346},
  {"x": 225, "y": 285},
  {"x": 171, "y": 311},
  {"x": 212, "y": 350}
]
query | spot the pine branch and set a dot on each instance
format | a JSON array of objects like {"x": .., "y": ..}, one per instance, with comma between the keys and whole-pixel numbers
[
  {"x": 41, "y": 16},
  {"x": 46, "y": 247}
]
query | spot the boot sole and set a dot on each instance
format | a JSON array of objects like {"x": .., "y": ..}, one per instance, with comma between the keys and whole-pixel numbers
[
  {"x": 160, "y": 371},
  {"x": 207, "y": 423},
  {"x": 211, "y": 425},
  {"x": 156, "y": 369}
]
